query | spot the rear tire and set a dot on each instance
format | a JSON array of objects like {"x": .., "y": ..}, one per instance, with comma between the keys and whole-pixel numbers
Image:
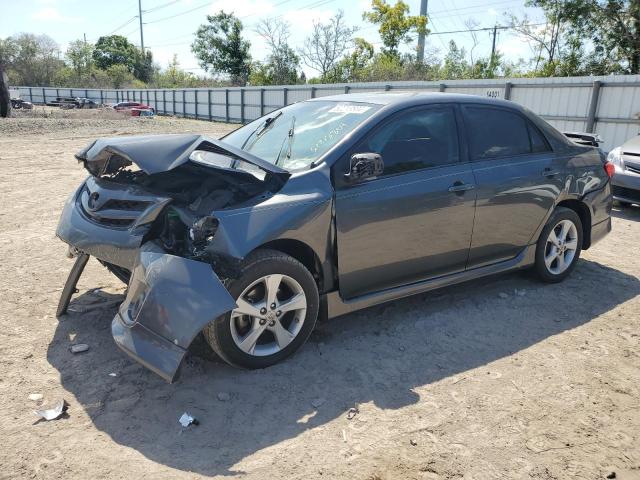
[
  {"x": 278, "y": 306},
  {"x": 559, "y": 246}
]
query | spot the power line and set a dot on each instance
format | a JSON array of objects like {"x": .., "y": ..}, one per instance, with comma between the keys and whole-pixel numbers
[
  {"x": 124, "y": 24},
  {"x": 312, "y": 5},
  {"x": 204, "y": 5},
  {"x": 160, "y": 7}
]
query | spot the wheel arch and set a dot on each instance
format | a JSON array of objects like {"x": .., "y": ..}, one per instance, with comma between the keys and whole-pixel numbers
[
  {"x": 301, "y": 252},
  {"x": 584, "y": 213}
]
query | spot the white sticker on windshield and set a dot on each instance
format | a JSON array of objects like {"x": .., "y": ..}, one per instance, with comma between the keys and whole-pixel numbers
[{"x": 349, "y": 108}]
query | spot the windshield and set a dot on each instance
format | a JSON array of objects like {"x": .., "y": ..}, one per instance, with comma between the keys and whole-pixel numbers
[{"x": 296, "y": 136}]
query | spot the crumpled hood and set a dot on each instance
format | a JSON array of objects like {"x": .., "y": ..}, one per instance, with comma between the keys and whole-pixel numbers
[{"x": 161, "y": 153}]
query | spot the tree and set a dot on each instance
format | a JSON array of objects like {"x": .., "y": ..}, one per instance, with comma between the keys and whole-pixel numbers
[
  {"x": 353, "y": 66},
  {"x": 545, "y": 41},
  {"x": 5, "y": 98},
  {"x": 119, "y": 75},
  {"x": 220, "y": 47},
  {"x": 611, "y": 26},
  {"x": 395, "y": 24},
  {"x": 30, "y": 59},
  {"x": 143, "y": 68},
  {"x": 455, "y": 63},
  {"x": 327, "y": 44},
  {"x": 174, "y": 77},
  {"x": 282, "y": 63},
  {"x": 115, "y": 50},
  {"x": 80, "y": 55}
]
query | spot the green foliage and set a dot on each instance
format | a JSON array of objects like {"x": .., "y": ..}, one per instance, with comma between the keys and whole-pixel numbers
[
  {"x": 326, "y": 44},
  {"x": 586, "y": 37},
  {"x": 80, "y": 55},
  {"x": 353, "y": 67},
  {"x": 220, "y": 47},
  {"x": 174, "y": 77},
  {"x": 115, "y": 50},
  {"x": 143, "y": 68},
  {"x": 30, "y": 59},
  {"x": 282, "y": 64},
  {"x": 395, "y": 23},
  {"x": 119, "y": 75}
]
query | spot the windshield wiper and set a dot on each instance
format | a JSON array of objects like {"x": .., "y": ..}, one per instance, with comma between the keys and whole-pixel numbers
[
  {"x": 262, "y": 128},
  {"x": 289, "y": 140}
]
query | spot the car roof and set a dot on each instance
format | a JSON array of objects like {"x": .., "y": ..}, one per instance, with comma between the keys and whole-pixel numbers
[{"x": 413, "y": 97}]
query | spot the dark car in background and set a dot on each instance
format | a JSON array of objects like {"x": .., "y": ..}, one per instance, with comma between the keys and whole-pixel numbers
[
  {"x": 18, "y": 104},
  {"x": 128, "y": 106},
  {"x": 626, "y": 182},
  {"x": 322, "y": 208}
]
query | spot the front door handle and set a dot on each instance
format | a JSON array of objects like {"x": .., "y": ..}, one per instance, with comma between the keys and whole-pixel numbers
[
  {"x": 547, "y": 172},
  {"x": 461, "y": 187}
]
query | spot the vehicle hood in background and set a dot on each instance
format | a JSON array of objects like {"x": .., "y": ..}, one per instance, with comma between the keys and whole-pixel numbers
[
  {"x": 161, "y": 153},
  {"x": 632, "y": 145}
]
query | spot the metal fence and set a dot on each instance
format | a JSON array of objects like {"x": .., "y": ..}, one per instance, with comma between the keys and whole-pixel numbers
[{"x": 609, "y": 106}]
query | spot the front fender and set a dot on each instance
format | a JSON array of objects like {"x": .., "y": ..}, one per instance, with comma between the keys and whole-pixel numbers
[{"x": 169, "y": 301}]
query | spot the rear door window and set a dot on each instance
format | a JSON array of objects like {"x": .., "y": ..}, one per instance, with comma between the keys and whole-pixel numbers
[
  {"x": 495, "y": 133},
  {"x": 538, "y": 142}
]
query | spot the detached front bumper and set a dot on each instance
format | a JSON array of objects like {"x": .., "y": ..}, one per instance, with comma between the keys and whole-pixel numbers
[{"x": 169, "y": 301}]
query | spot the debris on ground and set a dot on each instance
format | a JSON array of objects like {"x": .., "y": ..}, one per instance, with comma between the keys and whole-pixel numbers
[
  {"x": 503, "y": 295},
  {"x": 79, "y": 348},
  {"x": 224, "y": 397},
  {"x": 186, "y": 420},
  {"x": 113, "y": 374},
  {"x": 54, "y": 412},
  {"x": 317, "y": 402},
  {"x": 35, "y": 397},
  {"x": 352, "y": 412},
  {"x": 413, "y": 442},
  {"x": 612, "y": 475}
]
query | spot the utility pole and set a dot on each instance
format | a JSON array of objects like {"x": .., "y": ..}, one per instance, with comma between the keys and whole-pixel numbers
[
  {"x": 493, "y": 46},
  {"x": 423, "y": 13},
  {"x": 140, "y": 18}
]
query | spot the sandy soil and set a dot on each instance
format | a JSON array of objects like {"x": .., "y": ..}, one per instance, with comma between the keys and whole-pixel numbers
[{"x": 500, "y": 378}]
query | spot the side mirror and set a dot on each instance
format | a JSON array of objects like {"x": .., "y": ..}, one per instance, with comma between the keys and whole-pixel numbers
[{"x": 364, "y": 165}]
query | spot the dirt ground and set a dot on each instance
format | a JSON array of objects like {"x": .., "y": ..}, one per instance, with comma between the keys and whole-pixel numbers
[{"x": 499, "y": 378}]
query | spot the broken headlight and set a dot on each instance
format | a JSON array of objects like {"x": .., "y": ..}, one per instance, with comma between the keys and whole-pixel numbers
[{"x": 203, "y": 230}]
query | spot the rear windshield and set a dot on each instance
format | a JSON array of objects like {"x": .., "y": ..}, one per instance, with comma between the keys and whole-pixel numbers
[{"x": 296, "y": 136}]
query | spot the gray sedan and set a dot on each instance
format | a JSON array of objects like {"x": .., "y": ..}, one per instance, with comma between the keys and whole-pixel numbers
[
  {"x": 322, "y": 208},
  {"x": 626, "y": 182}
]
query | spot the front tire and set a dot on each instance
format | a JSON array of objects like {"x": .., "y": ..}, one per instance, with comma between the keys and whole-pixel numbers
[
  {"x": 278, "y": 306},
  {"x": 559, "y": 246}
]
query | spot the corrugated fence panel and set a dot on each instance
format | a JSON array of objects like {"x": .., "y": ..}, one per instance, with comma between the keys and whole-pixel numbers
[{"x": 564, "y": 102}]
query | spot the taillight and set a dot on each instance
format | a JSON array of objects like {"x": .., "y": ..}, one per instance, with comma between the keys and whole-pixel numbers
[{"x": 610, "y": 168}]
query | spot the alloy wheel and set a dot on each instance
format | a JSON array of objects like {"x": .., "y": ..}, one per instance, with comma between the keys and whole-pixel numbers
[
  {"x": 269, "y": 315},
  {"x": 560, "y": 249}
]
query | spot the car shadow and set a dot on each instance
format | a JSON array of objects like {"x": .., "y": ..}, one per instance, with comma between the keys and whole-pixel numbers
[
  {"x": 378, "y": 355},
  {"x": 631, "y": 212}
]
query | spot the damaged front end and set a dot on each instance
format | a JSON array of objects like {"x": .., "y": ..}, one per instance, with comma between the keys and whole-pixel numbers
[
  {"x": 170, "y": 299},
  {"x": 148, "y": 212}
]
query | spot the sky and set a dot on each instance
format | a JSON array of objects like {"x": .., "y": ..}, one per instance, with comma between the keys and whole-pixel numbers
[{"x": 169, "y": 25}]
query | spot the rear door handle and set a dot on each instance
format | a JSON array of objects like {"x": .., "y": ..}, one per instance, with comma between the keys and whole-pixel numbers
[
  {"x": 547, "y": 172},
  {"x": 461, "y": 187}
]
